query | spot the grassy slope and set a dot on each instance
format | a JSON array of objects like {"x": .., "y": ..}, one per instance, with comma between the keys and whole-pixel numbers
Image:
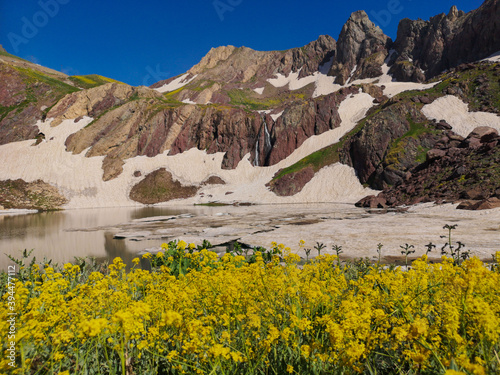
[{"x": 91, "y": 80}]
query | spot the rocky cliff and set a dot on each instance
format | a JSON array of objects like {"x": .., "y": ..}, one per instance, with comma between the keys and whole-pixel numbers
[
  {"x": 120, "y": 131},
  {"x": 427, "y": 48},
  {"x": 458, "y": 169},
  {"x": 361, "y": 50}
]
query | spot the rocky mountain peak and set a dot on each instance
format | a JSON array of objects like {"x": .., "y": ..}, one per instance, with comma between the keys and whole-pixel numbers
[
  {"x": 359, "y": 39},
  {"x": 213, "y": 58},
  {"x": 427, "y": 48},
  {"x": 2, "y": 49},
  {"x": 454, "y": 13}
]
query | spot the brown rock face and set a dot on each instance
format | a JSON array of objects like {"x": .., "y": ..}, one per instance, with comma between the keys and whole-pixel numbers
[
  {"x": 23, "y": 99},
  {"x": 292, "y": 183},
  {"x": 362, "y": 45},
  {"x": 426, "y": 48},
  {"x": 373, "y": 152},
  {"x": 468, "y": 173},
  {"x": 277, "y": 141},
  {"x": 122, "y": 133},
  {"x": 159, "y": 186}
]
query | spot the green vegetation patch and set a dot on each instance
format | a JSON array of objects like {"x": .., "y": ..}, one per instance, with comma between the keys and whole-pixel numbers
[
  {"x": 32, "y": 77},
  {"x": 91, "y": 80},
  {"x": 36, "y": 195},
  {"x": 247, "y": 98},
  {"x": 399, "y": 146}
]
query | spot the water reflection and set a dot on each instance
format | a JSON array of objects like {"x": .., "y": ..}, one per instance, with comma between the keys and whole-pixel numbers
[{"x": 63, "y": 235}]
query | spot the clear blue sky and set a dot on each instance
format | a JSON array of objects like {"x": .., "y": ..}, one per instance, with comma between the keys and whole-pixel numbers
[{"x": 140, "y": 42}]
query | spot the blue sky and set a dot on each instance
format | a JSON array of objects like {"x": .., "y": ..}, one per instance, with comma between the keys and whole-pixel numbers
[{"x": 141, "y": 42}]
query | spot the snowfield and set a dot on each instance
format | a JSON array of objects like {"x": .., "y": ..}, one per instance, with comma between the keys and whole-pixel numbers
[
  {"x": 176, "y": 83},
  {"x": 80, "y": 178},
  {"x": 456, "y": 113}
]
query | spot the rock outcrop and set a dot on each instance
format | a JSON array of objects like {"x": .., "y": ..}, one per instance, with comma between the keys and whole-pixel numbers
[
  {"x": 426, "y": 48},
  {"x": 25, "y": 94},
  {"x": 298, "y": 123},
  {"x": 292, "y": 183},
  {"x": 228, "y": 68},
  {"x": 36, "y": 195},
  {"x": 390, "y": 143},
  {"x": 159, "y": 186},
  {"x": 230, "y": 64},
  {"x": 465, "y": 170},
  {"x": 95, "y": 101},
  {"x": 361, "y": 50},
  {"x": 121, "y": 132}
]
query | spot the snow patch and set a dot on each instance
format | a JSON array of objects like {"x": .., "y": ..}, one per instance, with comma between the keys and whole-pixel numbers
[
  {"x": 176, "y": 83},
  {"x": 259, "y": 90},
  {"x": 324, "y": 84},
  {"x": 352, "y": 73},
  {"x": 276, "y": 115},
  {"x": 456, "y": 113},
  {"x": 493, "y": 58},
  {"x": 188, "y": 101},
  {"x": 292, "y": 80}
]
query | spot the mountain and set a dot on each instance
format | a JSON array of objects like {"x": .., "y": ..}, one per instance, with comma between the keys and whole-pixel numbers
[
  {"x": 426, "y": 48},
  {"x": 361, "y": 50},
  {"x": 328, "y": 121}
]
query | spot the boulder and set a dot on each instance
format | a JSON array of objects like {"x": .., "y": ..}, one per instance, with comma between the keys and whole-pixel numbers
[
  {"x": 435, "y": 154},
  {"x": 485, "y": 204},
  {"x": 485, "y": 134},
  {"x": 373, "y": 201},
  {"x": 214, "y": 180}
]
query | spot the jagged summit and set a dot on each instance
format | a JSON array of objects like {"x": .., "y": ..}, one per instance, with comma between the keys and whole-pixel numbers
[
  {"x": 426, "y": 48},
  {"x": 359, "y": 40}
]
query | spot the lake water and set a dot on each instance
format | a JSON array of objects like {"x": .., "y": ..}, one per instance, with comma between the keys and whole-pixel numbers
[
  {"x": 63, "y": 235},
  {"x": 125, "y": 232}
]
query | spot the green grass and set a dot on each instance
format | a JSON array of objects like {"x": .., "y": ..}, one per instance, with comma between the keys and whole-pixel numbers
[
  {"x": 246, "y": 98},
  {"x": 6, "y": 54},
  {"x": 33, "y": 94},
  {"x": 32, "y": 77},
  {"x": 91, "y": 80}
]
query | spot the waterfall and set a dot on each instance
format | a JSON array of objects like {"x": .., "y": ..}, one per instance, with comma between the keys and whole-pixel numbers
[
  {"x": 267, "y": 139},
  {"x": 256, "y": 160}
]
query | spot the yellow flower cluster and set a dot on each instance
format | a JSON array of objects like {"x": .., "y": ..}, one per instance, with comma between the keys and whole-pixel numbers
[{"x": 230, "y": 316}]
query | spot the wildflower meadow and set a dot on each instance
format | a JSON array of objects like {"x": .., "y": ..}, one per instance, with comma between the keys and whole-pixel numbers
[{"x": 195, "y": 312}]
